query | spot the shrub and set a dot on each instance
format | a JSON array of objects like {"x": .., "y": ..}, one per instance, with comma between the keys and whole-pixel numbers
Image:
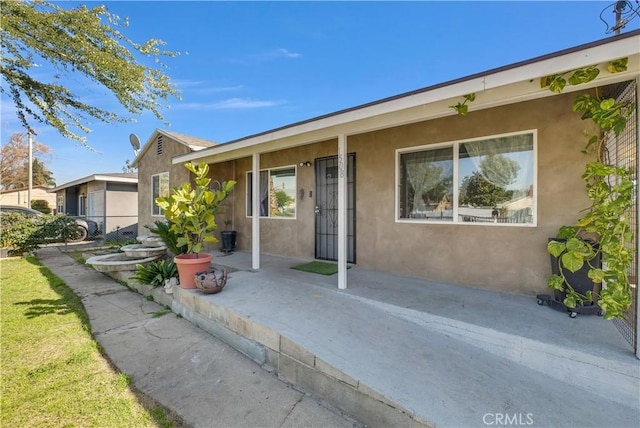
[
  {"x": 155, "y": 273},
  {"x": 19, "y": 233},
  {"x": 22, "y": 233},
  {"x": 41, "y": 205}
]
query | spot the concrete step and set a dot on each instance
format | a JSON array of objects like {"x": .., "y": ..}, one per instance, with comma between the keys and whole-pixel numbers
[
  {"x": 391, "y": 366},
  {"x": 616, "y": 377}
]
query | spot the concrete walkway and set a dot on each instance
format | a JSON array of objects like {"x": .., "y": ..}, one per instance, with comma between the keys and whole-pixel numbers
[
  {"x": 396, "y": 351},
  {"x": 203, "y": 380}
]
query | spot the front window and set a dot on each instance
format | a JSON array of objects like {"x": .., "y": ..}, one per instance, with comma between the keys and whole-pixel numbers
[
  {"x": 60, "y": 204},
  {"x": 426, "y": 184},
  {"x": 494, "y": 181},
  {"x": 278, "y": 190},
  {"x": 159, "y": 187}
]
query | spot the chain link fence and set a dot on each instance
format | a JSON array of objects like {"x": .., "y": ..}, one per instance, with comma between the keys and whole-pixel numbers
[{"x": 113, "y": 228}]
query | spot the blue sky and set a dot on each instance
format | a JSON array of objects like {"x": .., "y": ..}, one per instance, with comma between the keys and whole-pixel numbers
[{"x": 247, "y": 67}]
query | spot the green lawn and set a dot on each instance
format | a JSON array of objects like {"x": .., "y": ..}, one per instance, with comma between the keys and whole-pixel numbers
[{"x": 53, "y": 372}]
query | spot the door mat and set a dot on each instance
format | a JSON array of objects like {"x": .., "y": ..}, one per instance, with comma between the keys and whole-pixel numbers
[{"x": 322, "y": 268}]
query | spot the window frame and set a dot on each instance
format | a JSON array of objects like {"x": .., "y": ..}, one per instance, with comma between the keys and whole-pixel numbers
[
  {"x": 455, "y": 145},
  {"x": 154, "y": 206},
  {"x": 248, "y": 193}
]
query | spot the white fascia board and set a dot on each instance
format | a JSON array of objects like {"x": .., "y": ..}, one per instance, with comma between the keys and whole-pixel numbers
[
  {"x": 112, "y": 179},
  {"x": 91, "y": 178},
  {"x": 75, "y": 182},
  {"x": 493, "y": 89}
]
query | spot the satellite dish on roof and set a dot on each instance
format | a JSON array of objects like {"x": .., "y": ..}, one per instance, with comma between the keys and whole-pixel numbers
[{"x": 135, "y": 143}]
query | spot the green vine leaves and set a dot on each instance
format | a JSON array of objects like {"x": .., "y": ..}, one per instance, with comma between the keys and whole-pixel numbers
[
  {"x": 557, "y": 82},
  {"x": 610, "y": 189},
  {"x": 461, "y": 107}
]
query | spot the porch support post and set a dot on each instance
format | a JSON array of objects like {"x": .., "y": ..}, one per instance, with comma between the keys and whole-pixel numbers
[
  {"x": 342, "y": 211},
  {"x": 255, "y": 211}
]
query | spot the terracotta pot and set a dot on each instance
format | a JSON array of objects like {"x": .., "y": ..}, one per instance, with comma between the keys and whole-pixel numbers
[{"x": 189, "y": 264}]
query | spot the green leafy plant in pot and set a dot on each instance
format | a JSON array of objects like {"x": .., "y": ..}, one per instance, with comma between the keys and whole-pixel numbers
[
  {"x": 191, "y": 213},
  {"x": 168, "y": 237},
  {"x": 610, "y": 189}
]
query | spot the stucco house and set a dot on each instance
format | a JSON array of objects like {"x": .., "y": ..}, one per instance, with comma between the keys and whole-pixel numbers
[
  {"x": 111, "y": 200},
  {"x": 20, "y": 196},
  {"x": 157, "y": 173},
  {"x": 389, "y": 185}
]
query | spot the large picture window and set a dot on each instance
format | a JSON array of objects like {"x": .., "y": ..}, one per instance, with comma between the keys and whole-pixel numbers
[
  {"x": 485, "y": 180},
  {"x": 159, "y": 187},
  {"x": 277, "y": 192}
]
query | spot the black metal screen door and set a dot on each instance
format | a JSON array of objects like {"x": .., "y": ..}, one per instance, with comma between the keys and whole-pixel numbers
[{"x": 326, "y": 170}]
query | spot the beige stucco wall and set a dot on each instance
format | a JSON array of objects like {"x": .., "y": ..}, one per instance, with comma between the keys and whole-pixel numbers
[
  {"x": 489, "y": 256},
  {"x": 19, "y": 197},
  {"x": 93, "y": 186},
  {"x": 150, "y": 164},
  {"x": 121, "y": 209},
  {"x": 282, "y": 236}
]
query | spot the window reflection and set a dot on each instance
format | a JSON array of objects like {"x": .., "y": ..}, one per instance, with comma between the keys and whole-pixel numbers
[
  {"x": 277, "y": 193},
  {"x": 495, "y": 181}
]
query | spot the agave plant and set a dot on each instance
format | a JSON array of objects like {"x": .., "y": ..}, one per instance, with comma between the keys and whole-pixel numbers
[{"x": 155, "y": 273}]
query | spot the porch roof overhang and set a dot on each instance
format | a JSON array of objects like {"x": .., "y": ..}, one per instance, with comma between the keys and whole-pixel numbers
[
  {"x": 96, "y": 177},
  {"x": 501, "y": 86}
]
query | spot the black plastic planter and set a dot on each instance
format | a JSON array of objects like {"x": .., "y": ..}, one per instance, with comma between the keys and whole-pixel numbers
[
  {"x": 580, "y": 282},
  {"x": 228, "y": 241}
]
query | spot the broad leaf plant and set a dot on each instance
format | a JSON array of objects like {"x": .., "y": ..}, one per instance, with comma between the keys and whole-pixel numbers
[
  {"x": 610, "y": 189},
  {"x": 191, "y": 212}
]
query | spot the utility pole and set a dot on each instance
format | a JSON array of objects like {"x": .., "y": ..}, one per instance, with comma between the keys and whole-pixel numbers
[{"x": 30, "y": 138}]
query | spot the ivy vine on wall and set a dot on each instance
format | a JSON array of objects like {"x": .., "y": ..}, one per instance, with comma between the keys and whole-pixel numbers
[{"x": 610, "y": 189}]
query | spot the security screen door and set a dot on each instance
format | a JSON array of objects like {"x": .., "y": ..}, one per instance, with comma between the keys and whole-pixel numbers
[{"x": 326, "y": 211}]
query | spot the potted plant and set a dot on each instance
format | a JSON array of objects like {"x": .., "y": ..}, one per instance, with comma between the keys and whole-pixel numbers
[
  {"x": 169, "y": 238},
  {"x": 611, "y": 190},
  {"x": 571, "y": 279},
  {"x": 228, "y": 238},
  {"x": 191, "y": 213}
]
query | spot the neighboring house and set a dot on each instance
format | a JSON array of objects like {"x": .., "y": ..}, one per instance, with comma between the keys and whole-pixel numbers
[
  {"x": 111, "y": 200},
  {"x": 20, "y": 196},
  {"x": 389, "y": 185},
  {"x": 157, "y": 174}
]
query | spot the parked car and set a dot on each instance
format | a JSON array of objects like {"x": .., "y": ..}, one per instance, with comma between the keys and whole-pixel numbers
[{"x": 86, "y": 228}]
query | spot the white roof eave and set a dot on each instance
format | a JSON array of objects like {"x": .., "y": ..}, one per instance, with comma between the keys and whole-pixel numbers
[
  {"x": 505, "y": 86},
  {"x": 96, "y": 177}
]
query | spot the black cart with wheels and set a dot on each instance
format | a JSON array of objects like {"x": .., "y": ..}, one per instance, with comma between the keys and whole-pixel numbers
[{"x": 590, "y": 309}]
